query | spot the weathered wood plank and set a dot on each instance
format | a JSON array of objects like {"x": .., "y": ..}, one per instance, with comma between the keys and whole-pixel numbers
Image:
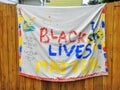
[
  {"x": 37, "y": 85},
  {"x": 98, "y": 83},
  {"x": 107, "y": 81},
  {"x": 11, "y": 47},
  {"x": 116, "y": 50},
  {"x": 16, "y": 48},
  {"x": 55, "y": 86},
  {"x": 22, "y": 83},
  {"x": 1, "y": 26},
  {"x": 29, "y": 84},
  {"x": 4, "y": 51},
  {"x": 64, "y": 86},
  {"x": 77, "y": 85},
  {"x": 45, "y": 85},
  {"x": 89, "y": 84}
]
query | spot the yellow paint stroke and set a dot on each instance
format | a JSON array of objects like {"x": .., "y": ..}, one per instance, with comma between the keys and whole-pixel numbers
[
  {"x": 54, "y": 67},
  {"x": 75, "y": 66},
  {"x": 40, "y": 64},
  {"x": 28, "y": 20},
  {"x": 63, "y": 65},
  {"x": 103, "y": 44},
  {"x": 103, "y": 17},
  {"x": 84, "y": 67},
  {"x": 20, "y": 62},
  {"x": 93, "y": 63},
  {"x": 20, "y": 19},
  {"x": 20, "y": 41},
  {"x": 95, "y": 47}
]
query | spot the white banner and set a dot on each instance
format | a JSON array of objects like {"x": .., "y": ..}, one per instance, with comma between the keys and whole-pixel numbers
[{"x": 62, "y": 43}]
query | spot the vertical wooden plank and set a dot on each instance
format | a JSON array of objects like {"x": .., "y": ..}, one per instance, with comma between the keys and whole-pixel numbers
[
  {"x": 89, "y": 84},
  {"x": 77, "y": 85},
  {"x": 107, "y": 81},
  {"x": 11, "y": 47},
  {"x": 98, "y": 83},
  {"x": 37, "y": 85},
  {"x": 14, "y": 15},
  {"x": 9, "y": 21},
  {"x": 71, "y": 86},
  {"x": 29, "y": 83},
  {"x": 22, "y": 83},
  {"x": 16, "y": 45},
  {"x": 4, "y": 51},
  {"x": 80, "y": 85},
  {"x": 64, "y": 86},
  {"x": 1, "y": 16},
  {"x": 0, "y": 67},
  {"x": 1, "y": 26},
  {"x": 116, "y": 50},
  {"x": 55, "y": 86},
  {"x": 45, "y": 85},
  {"x": 19, "y": 86}
]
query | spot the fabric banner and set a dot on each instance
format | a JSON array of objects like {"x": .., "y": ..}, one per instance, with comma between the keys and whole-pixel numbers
[{"x": 62, "y": 43}]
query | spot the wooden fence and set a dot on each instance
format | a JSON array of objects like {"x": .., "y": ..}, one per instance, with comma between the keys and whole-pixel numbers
[{"x": 10, "y": 80}]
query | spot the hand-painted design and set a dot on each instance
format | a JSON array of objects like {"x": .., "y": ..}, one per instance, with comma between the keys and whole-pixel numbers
[
  {"x": 95, "y": 36},
  {"x": 28, "y": 26},
  {"x": 20, "y": 49},
  {"x": 95, "y": 47},
  {"x": 37, "y": 67},
  {"x": 103, "y": 43},
  {"x": 19, "y": 26},
  {"x": 20, "y": 41},
  {"x": 103, "y": 24},
  {"x": 103, "y": 17},
  {"x": 106, "y": 65},
  {"x": 99, "y": 46},
  {"x": 105, "y": 55},
  {"x": 20, "y": 62},
  {"x": 20, "y": 19},
  {"x": 106, "y": 69},
  {"x": 20, "y": 69}
]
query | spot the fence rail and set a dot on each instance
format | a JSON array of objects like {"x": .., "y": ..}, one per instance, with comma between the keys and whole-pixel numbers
[{"x": 9, "y": 78}]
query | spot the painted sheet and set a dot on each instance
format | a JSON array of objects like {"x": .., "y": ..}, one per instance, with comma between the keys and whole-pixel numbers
[{"x": 62, "y": 43}]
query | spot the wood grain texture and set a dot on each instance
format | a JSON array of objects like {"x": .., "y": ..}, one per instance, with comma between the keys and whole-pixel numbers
[
  {"x": 37, "y": 85},
  {"x": 89, "y": 84},
  {"x": 98, "y": 83},
  {"x": 1, "y": 15},
  {"x": 10, "y": 80},
  {"x": 107, "y": 81},
  {"x": 29, "y": 84},
  {"x": 11, "y": 48},
  {"x": 4, "y": 51},
  {"x": 116, "y": 50}
]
